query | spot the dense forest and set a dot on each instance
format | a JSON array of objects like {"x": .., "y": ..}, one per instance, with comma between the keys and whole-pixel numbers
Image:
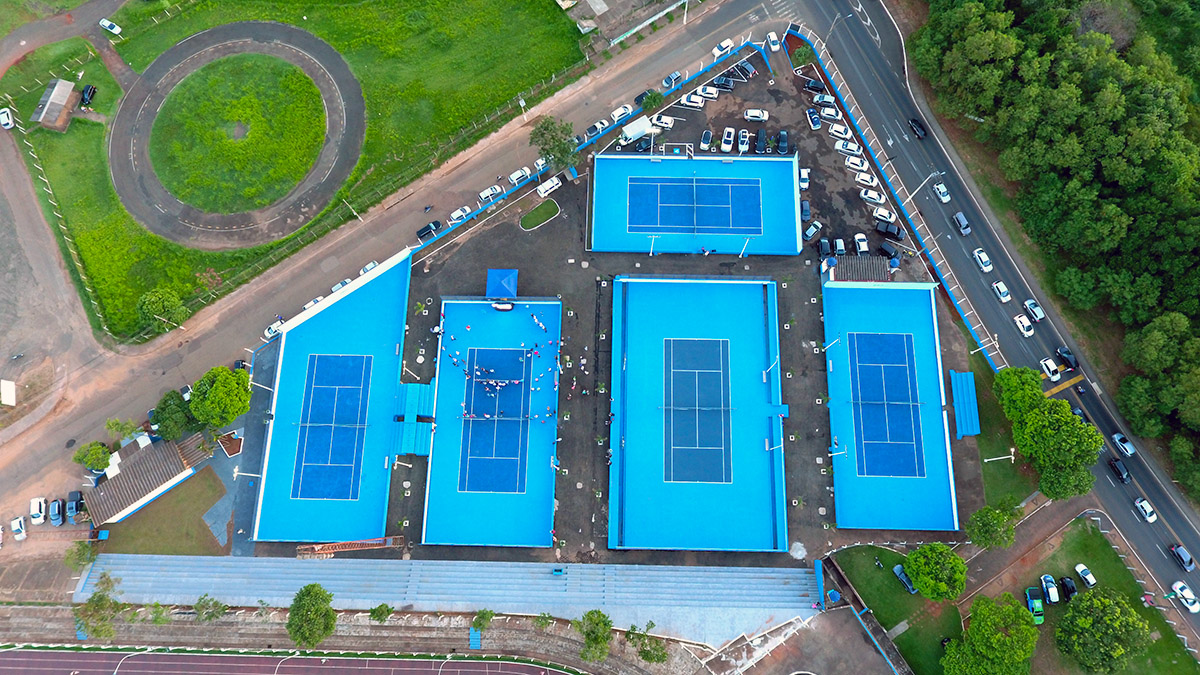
[{"x": 1092, "y": 109}]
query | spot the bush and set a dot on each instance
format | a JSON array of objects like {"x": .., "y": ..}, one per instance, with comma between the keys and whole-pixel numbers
[
  {"x": 382, "y": 612},
  {"x": 94, "y": 456},
  {"x": 311, "y": 618},
  {"x": 596, "y": 628},
  {"x": 80, "y": 555},
  {"x": 209, "y": 608},
  {"x": 483, "y": 619}
]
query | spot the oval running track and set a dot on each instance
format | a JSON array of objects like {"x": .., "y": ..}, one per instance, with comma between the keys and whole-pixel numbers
[
  {"x": 159, "y": 211},
  {"x": 103, "y": 663}
]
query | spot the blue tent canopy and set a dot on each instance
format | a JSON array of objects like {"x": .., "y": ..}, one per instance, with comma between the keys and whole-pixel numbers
[{"x": 502, "y": 283}]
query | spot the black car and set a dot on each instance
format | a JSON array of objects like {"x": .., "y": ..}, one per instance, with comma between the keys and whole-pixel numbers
[
  {"x": 805, "y": 212},
  {"x": 429, "y": 230},
  {"x": 888, "y": 251},
  {"x": 815, "y": 86},
  {"x": 781, "y": 143},
  {"x": 89, "y": 92},
  {"x": 1066, "y": 587},
  {"x": 1118, "y": 469},
  {"x": 723, "y": 83},
  {"x": 241, "y": 364},
  {"x": 746, "y": 69},
  {"x": 1064, "y": 354},
  {"x": 890, "y": 230},
  {"x": 824, "y": 247},
  {"x": 578, "y": 140},
  {"x": 760, "y": 142},
  {"x": 1082, "y": 415},
  {"x": 637, "y": 100},
  {"x": 643, "y": 144},
  {"x": 917, "y": 128}
]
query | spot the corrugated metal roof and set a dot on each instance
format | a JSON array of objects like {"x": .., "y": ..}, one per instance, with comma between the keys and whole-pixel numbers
[
  {"x": 143, "y": 471},
  {"x": 966, "y": 406}
]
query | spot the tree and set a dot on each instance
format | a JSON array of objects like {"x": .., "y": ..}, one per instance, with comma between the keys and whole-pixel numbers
[
  {"x": 999, "y": 641},
  {"x": 483, "y": 619},
  {"x": 311, "y": 618},
  {"x": 381, "y": 612},
  {"x": 990, "y": 527},
  {"x": 94, "y": 456},
  {"x": 652, "y": 101},
  {"x": 221, "y": 396},
  {"x": 173, "y": 416},
  {"x": 936, "y": 571},
  {"x": 596, "y": 628},
  {"x": 649, "y": 648},
  {"x": 1019, "y": 390},
  {"x": 1101, "y": 631},
  {"x": 543, "y": 620},
  {"x": 118, "y": 430},
  {"x": 96, "y": 615},
  {"x": 80, "y": 555},
  {"x": 161, "y": 310},
  {"x": 556, "y": 142},
  {"x": 209, "y": 608},
  {"x": 1060, "y": 446}
]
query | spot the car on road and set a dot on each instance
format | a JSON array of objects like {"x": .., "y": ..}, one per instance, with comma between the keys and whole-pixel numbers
[
  {"x": 756, "y": 115},
  {"x": 804, "y": 173},
  {"x": 6, "y": 118},
  {"x": 460, "y": 215},
  {"x": 848, "y": 148},
  {"x": 743, "y": 141},
  {"x": 1033, "y": 602},
  {"x": 917, "y": 128},
  {"x": 1145, "y": 509},
  {"x": 871, "y": 196},
  {"x": 1078, "y": 412},
  {"x": 812, "y": 230},
  {"x": 663, "y": 121},
  {"x": 1064, "y": 354},
  {"x": 110, "y": 26},
  {"x": 1084, "y": 573},
  {"x": 1034, "y": 310},
  {"x": 727, "y": 139},
  {"x": 882, "y": 214},
  {"x": 37, "y": 510},
  {"x": 1067, "y": 586},
  {"x": 488, "y": 194},
  {"x": 815, "y": 86},
  {"x": 705, "y": 138},
  {"x": 1178, "y": 551},
  {"x": 864, "y": 178},
  {"x": 1050, "y": 589},
  {"x": 637, "y": 100},
  {"x": 840, "y": 131},
  {"x": 898, "y": 570},
  {"x": 830, "y": 113},
  {"x": 1001, "y": 291},
  {"x": 1123, "y": 444},
  {"x": 1023, "y": 325},
  {"x": 825, "y": 100},
  {"x": 431, "y": 228},
  {"x": 1186, "y": 597},
  {"x": 781, "y": 142},
  {"x": 521, "y": 174},
  {"x": 597, "y": 127},
  {"x": 617, "y": 114},
  {"x": 346, "y": 282},
  {"x": 856, "y": 164},
  {"x": 313, "y": 303},
  {"x": 56, "y": 512},
  {"x": 709, "y": 93},
  {"x": 773, "y": 41},
  {"x": 692, "y": 101},
  {"x": 861, "y": 247},
  {"x": 982, "y": 259},
  {"x": 668, "y": 82},
  {"x": 368, "y": 267},
  {"x": 273, "y": 329},
  {"x": 942, "y": 193},
  {"x": 814, "y": 122},
  {"x": 723, "y": 48},
  {"x": 1119, "y": 470},
  {"x": 1050, "y": 369},
  {"x": 960, "y": 221},
  {"x": 18, "y": 528}
]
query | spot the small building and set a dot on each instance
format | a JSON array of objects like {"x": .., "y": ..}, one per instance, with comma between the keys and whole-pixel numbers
[
  {"x": 54, "y": 109},
  {"x": 146, "y": 472}
]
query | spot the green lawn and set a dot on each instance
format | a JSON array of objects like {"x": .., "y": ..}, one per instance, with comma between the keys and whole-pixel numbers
[
  {"x": 540, "y": 214},
  {"x": 173, "y": 524},
  {"x": 880, "y": 588},
  {"x": 238, "y": 134},
  {"x": 921, "y": 644},
  {"x": 14, "y": 13},
  {"x": 1002, "y": 480}
]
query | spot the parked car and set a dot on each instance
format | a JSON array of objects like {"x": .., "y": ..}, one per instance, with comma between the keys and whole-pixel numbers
[
  {"x": 760, "y": 141},
  {"x": 812, "y": 230},
  {"x": 917, "y": 128},
  {"x": 87, "y": 94},
  {"x": 1067, "y": 586},
  {"x": 1033, "y": 601},
  {"x": 1034, "y": 310},
  {"x": 18, "y": 528},
  {"x": 805, "y": 210},
  {"x": 1050, "y": 369},
  {"x": 313, "y": 303},
  {"x": 824, "y": 247},
  {"x": 692, "y": 101},
  {"x": 488, "y": 194},
  {"x": 1123, "y": 444},
  {"x": 186, "y": 392},
  {"x": 637, "y": 100},
  {"x": 982, "y": 259},
  {"x": 723, "y": 48},
  {"x": 756, "y": 115},
  {"x": 273, "y": 330},
  {"x": 368, "y": 267},
  {"x": 643, "y": 144},
  {"x": 888, "y": 251},
  {"x": 110, "y": 26},
  {"x": 617, "y": 114},
  {"x": 1084, "y": 573},
  {"x": 942, "y": 193},
  {"x": 238, "y": 364},
  {"x": 825, "y": 100},
  {"x": 773, "y": 41},
  {"x": 431, "y": 229},
  {"x": 839, "y": 247},
  {"x": 804, "y": 173},
  {"x": 1023, "y": 325},
  {"x": 707, "y": 92},
  {"x": 1050, "y": 589},
  {"x": 346, "y": 282},
  {"x": 1178, "y": 551},
  {"x": 871, "y": 196},
  {"x": 864, "y": 178},
  {"x": 56, "y": 512},
  {"x": 727, "y": 139},
  {"x": 747, "y": 70},
  {"x": 848, "y": 148},
  {"x": 668, "y": 82},
  {"x": 520, "y": 175},
  {"x": 898, "y": 570},
  {"x": 891, "y": 230},
  {"x": 706, "y": 139},
  {"x": 74, "y": 505},
  {"x": 663, "y": 121},
  {"x": 460, "y": 215},
  {"x": 595, "y": 130},
  {"x": 724, "y": 83},
  {"x": 815, "y": 86},
  {"x": 856, "y": 164},
  {"x": 830, "y": 113},
  {"x": 781, "y": 142},
  {"x": 860, "y": 244},
  {"x": 37, "y": 510},
  {"x": 6, "y": 118},
  {"x": 880, "y": 213},
  {"x": 814, "y": 122},
  {"x": 1001, "y": 291},
  {"x": 840, "y": 131},
  {"x": 1186, "y": 597},
  {"x": 743, "y": 141},
  {"x": 1145, "y": 509},
  {"x": 1119, "y": 470}
]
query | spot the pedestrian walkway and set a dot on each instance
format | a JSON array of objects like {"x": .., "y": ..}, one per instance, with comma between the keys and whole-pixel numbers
[{"x": 712, "y": 605}]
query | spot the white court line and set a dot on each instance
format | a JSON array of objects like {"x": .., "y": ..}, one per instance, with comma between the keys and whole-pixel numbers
[
  {"x": 468, "y": 425},
  {"x": 672, "y": 408}
]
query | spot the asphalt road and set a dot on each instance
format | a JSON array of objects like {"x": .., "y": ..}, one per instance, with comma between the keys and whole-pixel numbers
[{"x": 106, "y": 663}]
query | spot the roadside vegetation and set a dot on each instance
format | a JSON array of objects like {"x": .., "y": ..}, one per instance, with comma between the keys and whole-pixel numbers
[
  {"x": 238, "y": 134},
  {"x": 539, "y": 214},
  {"x": 14, "y": 13}
]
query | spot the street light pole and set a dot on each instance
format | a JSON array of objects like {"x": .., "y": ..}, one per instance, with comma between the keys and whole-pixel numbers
[
  {"x": 914, "y": 192},
  {"x": 836, "y": 19}
]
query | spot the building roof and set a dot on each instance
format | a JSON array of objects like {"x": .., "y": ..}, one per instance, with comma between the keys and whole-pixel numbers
[
  {"x": 861, "y": 268},
  {"x": 50, "y": 107},
  {"x": 144, "y": 471}
]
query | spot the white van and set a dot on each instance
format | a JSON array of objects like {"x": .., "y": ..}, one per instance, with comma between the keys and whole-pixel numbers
[{"x": 549, "y": 186}]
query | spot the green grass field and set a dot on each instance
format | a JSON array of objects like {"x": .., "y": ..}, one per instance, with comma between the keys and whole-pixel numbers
[
  {"x": 539, "y": 214},
  {"x": 921, "y": 644},
  {"x": 238, "y": 134},
  {"x": 173, "y": 524},
  {"x": 14, "y": 13}
]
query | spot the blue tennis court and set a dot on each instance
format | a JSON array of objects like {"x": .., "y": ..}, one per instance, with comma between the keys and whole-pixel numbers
[
  {"x": 495, "y": 420},
  {"x": 692, "y": 204},
  {"x": 883, "y": 390},
  {"x": 697, "y": 431},
  {"x": 333, "y": 421},
  {"x": 672, "y": 205}
]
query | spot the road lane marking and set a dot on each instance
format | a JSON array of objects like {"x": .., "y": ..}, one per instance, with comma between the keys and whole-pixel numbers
[{"x": 1064, "y": 385}]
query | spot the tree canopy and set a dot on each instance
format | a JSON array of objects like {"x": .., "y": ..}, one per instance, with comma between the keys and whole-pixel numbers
[
  {"x": 999, "y": 641},
  {"x": 220, "y": 396},
  {"x": 992, "y": 527},
  {"x": 94, "y": 456},
  {"x": 311, "y": 617},
  {"x": 1102, "y": 631},
  {"x": 173, "y": 416},
  {"x": 936, "y": 571},
  {"x": 96, "y": 615},
  {"x": 555, "y": 140},
  {"x": 160, "y": 310},
  {"x": 1060, "y": 446},
  {"x": 596, "y": 629}
]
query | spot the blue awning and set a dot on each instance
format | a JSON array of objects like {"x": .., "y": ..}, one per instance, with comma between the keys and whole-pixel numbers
[
  {"x": 966, "y": 406},
  {"x": 502, "y": 283}
]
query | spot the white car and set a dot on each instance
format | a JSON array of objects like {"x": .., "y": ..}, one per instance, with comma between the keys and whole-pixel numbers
[
  {"x": 1084, "y": 573},
  {"x": 824, "y": 100},
  {"x": 830, "y": 113},
  {"x": 313, "y": 303},
  {"x": 1145, "y": 509},
  {"x": 942, "y": 193},
  {"x": 773, "y": 41},
  {"x": 273, "y": 329},
  {"x": 743, "y": 141},
  {"x": 1023, "y": 325},
  {"x": 982, "y": 259},
  {"x": 540, "y": 164},
  {"x": 1123, "y": 443},
  {"x": 756, "y": 115},
  {"x": 519, "y": 175},
  {"x": 488, "y": 194},
  {"x": 883, "y": 215},
  {"x": 709, "y": 93},
  {"x": 727, "y": 139},
  {"x": 848, "y": 148},
  {"x": 339, "y": 285},
  {"x": 871, "y": 196},
  {"x": 705, "y": 139},
  {"x": 1186, "y": 597},
  {"x": 1001, "y": 291},
  {"x": 110, "y": 26},
  {"x": 368, "y": 267},
  {"x": 856, "y": 164},
  {"x": 804, "y": 179},
  {"x": 6, "y": 118},
  {"x": 1050, "y": 368},
  {"x": 860, "y": 244},
  {"x": 1034, "y": 310},
  {"x": 692, "y": 101},
  {"x": 18, "y": 528},
  {"x": 864, "y": 178},
  {"x": 460, "y": 215},
  {"x": 722, "y": 49},
  {"x": 840, "y": 131},
  {"x": 663, "y": 121},
  {"x": 617, "y": 114},
  {"x": 37, "y": 510}
]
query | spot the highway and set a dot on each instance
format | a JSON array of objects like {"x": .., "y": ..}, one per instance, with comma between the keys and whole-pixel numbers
[{"x": 867, "y": 48}]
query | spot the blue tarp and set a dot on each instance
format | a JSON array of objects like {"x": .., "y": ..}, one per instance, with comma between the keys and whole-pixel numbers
[
  {"x": 502, "y": 284},
  {"x": 966, "y": 406}
]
